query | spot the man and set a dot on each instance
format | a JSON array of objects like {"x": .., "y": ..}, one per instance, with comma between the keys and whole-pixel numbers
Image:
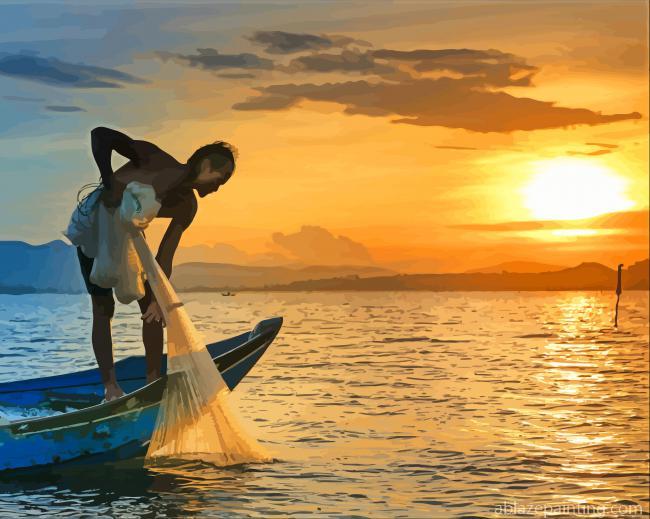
[{"x": 174, "y": 183}]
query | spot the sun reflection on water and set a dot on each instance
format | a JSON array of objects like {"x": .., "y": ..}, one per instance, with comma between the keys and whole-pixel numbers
[
  {"x": 579, "y": 371},
  {"x": 386, "y": 404}
]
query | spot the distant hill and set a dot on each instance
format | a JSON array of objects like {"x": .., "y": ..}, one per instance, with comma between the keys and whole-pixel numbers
[
  {"x": 51, "y": 267},
  {"x": 521, "y": 267},
  {"x": 635, "y": 277},
  {"x": 224, "y": 276},
  {"x": 586, "y": 276}
]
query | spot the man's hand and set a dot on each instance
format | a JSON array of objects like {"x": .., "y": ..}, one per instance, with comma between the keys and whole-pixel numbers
[
  {"x": 110, "y": 198},
  {"x": 153, "y": 314}
]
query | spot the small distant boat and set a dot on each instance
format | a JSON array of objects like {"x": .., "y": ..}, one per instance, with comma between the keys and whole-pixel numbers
[
  {"x": 227, "y": 294},
  {"x": 106, "y": 431}
]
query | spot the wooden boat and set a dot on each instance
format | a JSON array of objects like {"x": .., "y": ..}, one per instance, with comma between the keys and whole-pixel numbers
[{"x": 121, "y": 428}]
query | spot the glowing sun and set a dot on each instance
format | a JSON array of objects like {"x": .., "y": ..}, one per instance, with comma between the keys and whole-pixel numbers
[{"x": 570, "y": 189}]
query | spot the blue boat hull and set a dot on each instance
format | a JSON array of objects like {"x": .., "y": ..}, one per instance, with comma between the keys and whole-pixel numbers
[{"x": 115, "y": 430}]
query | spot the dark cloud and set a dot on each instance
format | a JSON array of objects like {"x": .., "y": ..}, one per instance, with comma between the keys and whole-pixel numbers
[
  {"x": 449, "y": 102},
  {"x": 211, "y": 59},
  {"x": 280, "y": 42},
  {"x": 60, "y": 73},
  {"x": 21, "y": 99},
  {"x": 602, "y": 145},
  {"x": 456, "y": 148},
  {"x": 64, "y": 108},
  {"x": 590, "y": 153},
  {"x": 486, "y": 67},
  {"x": 243, "y": 75},
  {"x": 490, "y": 67},
  {"x": 620, "y": 220},
  {"x": 461, "y": 94},
  {"x": 604, "y": 149},
  {"x": 346, "y": 61},
  {"x": 317, "y": 246}
]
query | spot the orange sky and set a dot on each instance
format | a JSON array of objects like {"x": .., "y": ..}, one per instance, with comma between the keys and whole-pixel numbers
[{"x": 415, "y": 161}]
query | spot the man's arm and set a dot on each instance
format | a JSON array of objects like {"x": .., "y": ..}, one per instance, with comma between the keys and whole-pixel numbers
[
  {"x": 181, "y": 220},
  {"x": 103, "y": 142}
]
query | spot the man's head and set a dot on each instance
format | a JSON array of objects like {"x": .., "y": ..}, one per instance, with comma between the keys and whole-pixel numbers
[{"x": 210, "y": 167}]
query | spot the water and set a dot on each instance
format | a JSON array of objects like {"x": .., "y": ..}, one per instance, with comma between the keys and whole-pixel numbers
[{"x": 380, "y": 405}]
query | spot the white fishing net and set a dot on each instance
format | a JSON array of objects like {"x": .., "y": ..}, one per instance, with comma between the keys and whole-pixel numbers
[{"x": 194, "y": 421}]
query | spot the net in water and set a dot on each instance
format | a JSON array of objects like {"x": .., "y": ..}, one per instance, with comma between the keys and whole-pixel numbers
[{"x": 194, "y": 420}]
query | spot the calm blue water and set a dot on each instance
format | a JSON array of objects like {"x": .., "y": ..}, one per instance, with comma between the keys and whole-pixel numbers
[{"x": 379, "y": 405}]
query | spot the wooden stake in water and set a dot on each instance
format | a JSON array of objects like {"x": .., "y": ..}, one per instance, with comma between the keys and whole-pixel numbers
[{"x": 619, "y": 289}]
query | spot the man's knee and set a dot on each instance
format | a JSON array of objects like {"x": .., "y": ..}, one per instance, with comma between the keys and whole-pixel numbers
[{"x": 103, "y": 306}]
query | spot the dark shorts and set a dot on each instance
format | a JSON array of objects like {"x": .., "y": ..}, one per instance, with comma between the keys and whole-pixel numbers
[{"x": 86, "y": 265}]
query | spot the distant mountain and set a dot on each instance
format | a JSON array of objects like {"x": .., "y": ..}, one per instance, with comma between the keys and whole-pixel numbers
[
  {"x": 224, "y": 276},
  {"x": 225, "y": 253},
  {"x": 586, "y": 276},
  {"x": 635, "y": 277},
  {"x": 521, "y": 267},
  {"x": 51, "y": 267}
]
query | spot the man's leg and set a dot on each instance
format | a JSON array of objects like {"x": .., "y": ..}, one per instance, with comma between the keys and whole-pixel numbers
[
  {"x": 152, "y": 337},
  {"x": 103, "y": 310}
]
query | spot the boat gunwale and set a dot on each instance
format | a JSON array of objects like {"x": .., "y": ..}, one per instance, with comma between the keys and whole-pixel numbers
[
  {"x": 98, "y": 382},
  {"x": 79, "y": 414},
  {"x": 273, "y": 331},
  {"x": 13, "y": 427}
]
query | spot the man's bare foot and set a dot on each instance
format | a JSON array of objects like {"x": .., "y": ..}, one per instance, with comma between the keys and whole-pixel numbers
[
  {"x": 112, "y": 391},
  {"x": 152, "y": 375}
]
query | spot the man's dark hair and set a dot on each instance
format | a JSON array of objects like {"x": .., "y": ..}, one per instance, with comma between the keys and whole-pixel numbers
[{"x": 219, "y": 154}]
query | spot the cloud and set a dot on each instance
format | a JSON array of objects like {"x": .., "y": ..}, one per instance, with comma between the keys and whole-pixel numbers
[
  {"x": 612, "y": 55},
  {"x": 346, "y": 61},
  {"x": 453, "y": 103},
  {"x": 532, "y": 225},
  {"x": 243, "y": 75},
  {"x": 315, "y": 245},
  {"x": 21, "y": 99},
  {"x": 590, "y": 153},
  {"x": 604, "y": 149},
  {"x": 211, "y": 59},
  {"x": 63, "y": 108},
  {"x": 622, "y": 220},
  {"x": 457, "y": 148},
  {"x": 280, "y": 42},
  {"x": 52, "y": 71},
  {"x": 602, "y": 145},
  {"x": 454, "y": 88},
  {"x": 490, "y": 67},
  {"x": 226, "y": 253}
]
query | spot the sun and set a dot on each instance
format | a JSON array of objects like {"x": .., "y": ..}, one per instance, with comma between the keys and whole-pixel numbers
[{"x": 571, "y": 189}]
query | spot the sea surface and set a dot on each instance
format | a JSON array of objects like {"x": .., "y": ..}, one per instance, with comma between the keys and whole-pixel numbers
[{"x": 379, "y": 405}]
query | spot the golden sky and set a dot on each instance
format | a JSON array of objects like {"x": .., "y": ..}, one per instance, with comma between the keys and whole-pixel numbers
[{"x": 436, "y": 136}]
